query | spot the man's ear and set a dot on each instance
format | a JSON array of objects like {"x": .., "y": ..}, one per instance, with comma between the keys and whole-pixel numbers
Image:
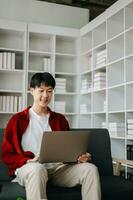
[{"x": 31, "y": 90}]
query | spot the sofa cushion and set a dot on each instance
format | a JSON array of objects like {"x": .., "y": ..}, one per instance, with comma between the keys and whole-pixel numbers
[
  {"x": 116, "y": 187},
  {"x": 3, "y": 168},
  {"x": 56, "y": 193},
  {"x": 100, "y": 148}
]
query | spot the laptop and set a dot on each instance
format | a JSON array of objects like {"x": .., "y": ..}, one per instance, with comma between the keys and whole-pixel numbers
[{"x": 63, "y": 146}]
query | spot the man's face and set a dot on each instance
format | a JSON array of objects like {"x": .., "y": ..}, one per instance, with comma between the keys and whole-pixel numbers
[{"x": 42, "y": 95}]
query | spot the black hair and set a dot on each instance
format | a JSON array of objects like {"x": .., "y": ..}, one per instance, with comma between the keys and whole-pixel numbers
[{"x": 42, "y": 78}]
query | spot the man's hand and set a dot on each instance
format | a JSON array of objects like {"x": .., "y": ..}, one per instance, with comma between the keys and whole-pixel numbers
[
  {"x": 35, "y": 159},
  {"x": 84, "y": 158}
]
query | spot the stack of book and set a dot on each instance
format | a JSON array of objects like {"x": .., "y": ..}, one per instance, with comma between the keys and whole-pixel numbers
[
  {"x": 7, "y": 60},
  {"x": 116, "y": 129},
  {"x": 11, "y": 103},
  {"x": 101, "y": 58},
  {"x": 46, "y": 64},
  {"x": 99, "y": 80},
  {"x": 60, "y": 106},
  {"x": 130, "y": 127},
  {"x": 60, "y": 85},
  {"x": 85, "y": 86},
  {"x": 83, "y": 108},
  {"x": 129, "y": 151}
]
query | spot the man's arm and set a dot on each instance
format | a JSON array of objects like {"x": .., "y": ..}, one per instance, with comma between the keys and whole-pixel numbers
[{"x": 12, "y": 154}]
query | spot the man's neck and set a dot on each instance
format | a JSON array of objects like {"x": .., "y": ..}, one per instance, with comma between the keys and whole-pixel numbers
[{"x": 40, "y": 111}]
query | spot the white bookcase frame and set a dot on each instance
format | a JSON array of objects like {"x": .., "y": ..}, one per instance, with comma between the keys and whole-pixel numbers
[{"x": 94, "y": 65}]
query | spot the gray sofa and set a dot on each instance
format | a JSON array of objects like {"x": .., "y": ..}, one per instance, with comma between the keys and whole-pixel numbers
[{"x": 113, "y": 187}]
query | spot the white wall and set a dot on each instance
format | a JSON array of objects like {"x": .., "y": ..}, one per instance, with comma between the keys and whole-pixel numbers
[{"x": 44, "y": 13}]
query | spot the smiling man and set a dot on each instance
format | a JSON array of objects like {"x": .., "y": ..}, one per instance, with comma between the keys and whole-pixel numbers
[{"x": 22, "y": 141}]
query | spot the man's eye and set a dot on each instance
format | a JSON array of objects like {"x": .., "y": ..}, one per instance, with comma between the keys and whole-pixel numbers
[{"x": 49, "y": 91}]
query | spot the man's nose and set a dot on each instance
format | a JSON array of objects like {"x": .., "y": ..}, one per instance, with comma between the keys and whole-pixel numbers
[{"x": 45, "y": 94}]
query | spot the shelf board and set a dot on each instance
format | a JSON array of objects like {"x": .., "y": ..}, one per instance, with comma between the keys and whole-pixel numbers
[
  {"x": 99, "y": 45},
  {"x": 129, "y": 29},
  {"x": 118, "y": 138},
  {"x": 11, "y": 49},
  {"x": 65, "y": 54},
  {"x": 35, "y": 71},
  {"x": 85, "y": 93},
  {"x": 65, "y": 73},
  {"x": 100, "y": 68},
  {"x": 116, "y": 86},
  {"x": 9, "y": 113},
  {"x": 116, "y": 111},
  {"x": 86, "y": 72},
  {"x": 85, "y": 53},
  {"x": 99, "y": 112},
  {"x": 11, "y": 91},
  {"x": 11, "y": 70},
  {"x": 86, "y": 113},
  {"x": 115, "y": 61},
  {"x": 129, "y": 137},
  {"x": 66, "y": 93},
  {"x": 116, "y": 36},
  {"x": 129, "y": 83},
  {"x": 41, "y": 53},
  {"x": 98, "y": 90},
  {"x": 69, "y": 113}
]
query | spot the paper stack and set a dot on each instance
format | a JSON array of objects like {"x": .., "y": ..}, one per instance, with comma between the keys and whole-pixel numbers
[
  {"x": 7, "y": 60},
  {"x": 60, "y": 85},
  {"x": 46, "y": 64},
  {"x": 99, "y": 80},
  {"x": 83, "y": 108},
  {"x": 11, "y": 103},
  {"x": 117, "y": 129},
  {"x": 101, "y": 58},
  {"x": 60, "y": 106},
  {"x": 130, "y": 127},
  {"x": 85, "y": 86}
]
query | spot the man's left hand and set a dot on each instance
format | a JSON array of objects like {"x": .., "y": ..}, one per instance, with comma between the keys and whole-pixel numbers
[{"x": 84, "y": 158}]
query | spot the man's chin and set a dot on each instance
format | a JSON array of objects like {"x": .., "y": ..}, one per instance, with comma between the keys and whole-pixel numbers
[{"x": 44, "y": 105}]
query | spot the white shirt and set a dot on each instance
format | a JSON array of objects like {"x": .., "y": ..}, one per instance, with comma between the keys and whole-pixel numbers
[{"x": 31, "y": 139}]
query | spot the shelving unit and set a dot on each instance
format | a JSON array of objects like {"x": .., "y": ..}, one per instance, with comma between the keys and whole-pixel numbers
[
  {"x": 12, "y": 69},
  {"x": 111, "y": 106},
  {"x": 93, "y": 64}
]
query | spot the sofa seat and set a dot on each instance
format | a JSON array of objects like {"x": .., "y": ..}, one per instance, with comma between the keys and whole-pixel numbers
[
  {"x": 116, "y": 188},
  {"x": 13, "y": 190}
]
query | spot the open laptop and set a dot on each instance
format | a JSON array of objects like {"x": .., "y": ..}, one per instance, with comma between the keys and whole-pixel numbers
[{"x": 63, "y": 146}]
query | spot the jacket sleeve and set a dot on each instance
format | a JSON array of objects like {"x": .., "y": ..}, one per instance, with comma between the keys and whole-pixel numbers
[
  {"x": 64, "y": 123},
  {"x": 12, "y": 154}
]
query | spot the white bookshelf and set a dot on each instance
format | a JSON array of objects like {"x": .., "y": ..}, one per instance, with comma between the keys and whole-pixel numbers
[
  {"x": 98, "y": 86},
  {"x": 12, "y": 68},
  {"x": 113, "y": 31}
]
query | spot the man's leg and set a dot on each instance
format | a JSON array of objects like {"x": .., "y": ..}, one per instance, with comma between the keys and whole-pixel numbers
[
  {"x": 34, "y": 177},
  {"x": 85, "y": 174}
]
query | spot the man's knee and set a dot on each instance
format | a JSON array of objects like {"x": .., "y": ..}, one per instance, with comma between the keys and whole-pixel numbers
[
  {"x": 89, "y": 168},
  {"x": 39, "y": 170}
]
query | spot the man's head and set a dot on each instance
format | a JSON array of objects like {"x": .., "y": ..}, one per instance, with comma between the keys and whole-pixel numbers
[
  {"x": 42, "y": 86},
  {"x": 44, "y": 78}
]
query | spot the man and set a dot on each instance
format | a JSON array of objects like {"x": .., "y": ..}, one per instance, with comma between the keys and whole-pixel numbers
[{"x": 21, "y": 145}]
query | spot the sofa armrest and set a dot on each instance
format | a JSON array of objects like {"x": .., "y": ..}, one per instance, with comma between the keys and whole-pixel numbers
[{"x": 118, "y": 163}]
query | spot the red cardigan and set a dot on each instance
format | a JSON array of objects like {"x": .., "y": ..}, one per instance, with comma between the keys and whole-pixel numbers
[{"x": 12, "y": 153}]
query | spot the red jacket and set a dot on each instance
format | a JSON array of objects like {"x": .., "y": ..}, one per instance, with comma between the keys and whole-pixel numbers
[{"x": 12, "y": 153}]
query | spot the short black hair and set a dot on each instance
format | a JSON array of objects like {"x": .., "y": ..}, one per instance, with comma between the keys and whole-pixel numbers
[{"x": 42, "y": 78}]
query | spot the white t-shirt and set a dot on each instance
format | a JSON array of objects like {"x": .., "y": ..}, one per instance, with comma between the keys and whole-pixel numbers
[{"x": 31, "y": 139}]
